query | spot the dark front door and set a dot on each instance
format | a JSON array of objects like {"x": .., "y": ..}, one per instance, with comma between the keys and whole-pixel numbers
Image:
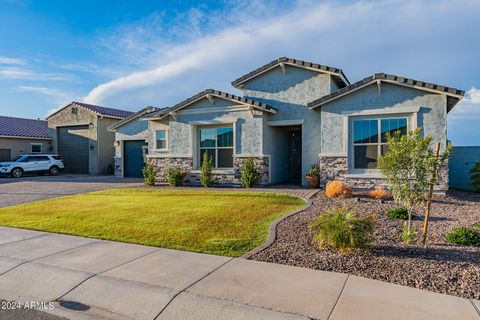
[
  {"x": 5, "y": 155},
  {"x": 133, "y": 162},
  {"x": 295, "y": 155},
  {"x": 73, "y": 147}
]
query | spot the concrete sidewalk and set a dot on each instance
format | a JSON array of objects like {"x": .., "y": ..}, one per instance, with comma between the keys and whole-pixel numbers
[{"x": 110, "y": 280}]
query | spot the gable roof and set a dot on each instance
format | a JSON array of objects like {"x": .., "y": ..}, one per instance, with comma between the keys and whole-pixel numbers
[
  {"x": 145, "y": 112},
  {"x": 99, "y": 110},
  {"x": 211, "y": 92},
  {"x": 24, "y": 128},
  {"x": 453, "y": 95},
  {"x": 338, "y": 75}
]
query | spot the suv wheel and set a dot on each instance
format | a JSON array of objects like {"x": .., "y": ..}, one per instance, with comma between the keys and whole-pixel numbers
[
  {"x": 53, "y": 171},
  {"x": 17, "y": 173}
]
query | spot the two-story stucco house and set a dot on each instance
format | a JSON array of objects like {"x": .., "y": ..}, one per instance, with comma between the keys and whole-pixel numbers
[{"x": 294, "y": 114}]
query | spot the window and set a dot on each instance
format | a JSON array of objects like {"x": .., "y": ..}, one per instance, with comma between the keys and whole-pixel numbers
[
  {"x": 161, "y": 138},
  {"x": 36, "y": 147},
  {"x": 218, "y": 143},
  {"x": 370, "y": 138}
]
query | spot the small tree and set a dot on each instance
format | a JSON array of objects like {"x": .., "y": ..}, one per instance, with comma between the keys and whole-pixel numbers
[
  {"x": 410, "y": 166},
  {"x": 475, "y": 176},
  {"x": 150, "y": 171},
  {"x": 250, "y": 175},
  {"x": 206, "y": 170}
]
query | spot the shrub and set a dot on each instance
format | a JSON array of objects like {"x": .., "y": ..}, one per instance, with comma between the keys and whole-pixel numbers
[
  {"x": 249, "y": 174},
  {"x": 475, "y": 176},
  {"x": 343, "y": 230},
  {"x": 314, "y": 171},
  {"x": 408, "y": 234},
  {"x": 464, "y": 236},
  {"x": 336, "y": 189},
  {"x": 206, "y": 170},
  {"x": 398, "y": 213},
  {"x": 379, "y": 193},
  {"x": 175, "y": 177},
  {"x": 150, "y": 171}
]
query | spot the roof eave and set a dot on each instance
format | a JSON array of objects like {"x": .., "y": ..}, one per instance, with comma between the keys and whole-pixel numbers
[{"x": 449, "y": 93}]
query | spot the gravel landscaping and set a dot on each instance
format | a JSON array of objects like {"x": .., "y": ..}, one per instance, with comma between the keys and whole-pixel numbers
[{"x": 442, "y": 267}]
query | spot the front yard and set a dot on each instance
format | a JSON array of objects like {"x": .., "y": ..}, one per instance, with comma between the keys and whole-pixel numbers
[
  {"x": 224, "y": 223},
  {"x": 442, "y": 267}
]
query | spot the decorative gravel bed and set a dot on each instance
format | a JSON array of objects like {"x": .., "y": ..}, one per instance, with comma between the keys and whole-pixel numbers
[{"x": 442, "y": 267}]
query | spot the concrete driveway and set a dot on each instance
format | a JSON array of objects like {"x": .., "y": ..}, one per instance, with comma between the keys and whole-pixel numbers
[
  {"x": 111, "y": 280},
  {"x": 34, "y": 188}
]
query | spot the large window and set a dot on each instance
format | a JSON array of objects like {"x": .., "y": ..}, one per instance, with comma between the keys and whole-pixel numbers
[
  {"x": 218, "y": 142},
  {"x": 370, "y": 138},
  {"x": 161, "y": 139}
]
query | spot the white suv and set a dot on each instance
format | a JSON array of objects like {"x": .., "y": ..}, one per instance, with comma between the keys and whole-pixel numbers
[{"x": 33, "y": 163}]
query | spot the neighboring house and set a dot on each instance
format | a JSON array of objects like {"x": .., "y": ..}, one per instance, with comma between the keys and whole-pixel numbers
[
  {"x": 294, "y": 114},
  {"x": 80, "y": 135},
  {"x": 19, "y": 136},
  {"x": 131, "y": 140}
]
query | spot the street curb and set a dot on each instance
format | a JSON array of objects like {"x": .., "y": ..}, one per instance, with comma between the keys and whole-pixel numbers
[{"x": 272, "y": 230}]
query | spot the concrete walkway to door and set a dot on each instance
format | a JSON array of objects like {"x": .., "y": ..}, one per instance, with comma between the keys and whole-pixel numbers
[{"x": 111, "y": 280}]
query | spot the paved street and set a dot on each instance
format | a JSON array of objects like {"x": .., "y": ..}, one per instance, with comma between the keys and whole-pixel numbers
[
  {"x": 35, "y": 188},
  {"x": 110, "y": 280}
]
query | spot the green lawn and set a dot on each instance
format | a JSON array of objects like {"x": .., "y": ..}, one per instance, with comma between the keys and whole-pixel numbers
[{"x": 224, "y": 223}]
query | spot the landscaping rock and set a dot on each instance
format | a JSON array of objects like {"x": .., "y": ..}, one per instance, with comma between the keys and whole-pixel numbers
[{"x": 442, "y": 267}]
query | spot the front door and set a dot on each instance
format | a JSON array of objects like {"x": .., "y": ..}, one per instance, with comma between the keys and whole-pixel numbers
[{"x": 295, "y": 155}]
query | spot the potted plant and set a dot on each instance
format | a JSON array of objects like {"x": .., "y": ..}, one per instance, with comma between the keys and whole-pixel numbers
[{"x": 313, "y": 176}]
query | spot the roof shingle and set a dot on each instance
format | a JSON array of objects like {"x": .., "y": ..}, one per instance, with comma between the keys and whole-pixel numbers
[
  {"x": 25, "y": 128},
  {"x": 104, "y": 111},
  {"x": 340, "y": 77}
]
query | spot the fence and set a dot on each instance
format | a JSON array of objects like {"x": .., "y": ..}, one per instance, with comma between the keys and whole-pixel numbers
[{"x": 459, "y": 165}]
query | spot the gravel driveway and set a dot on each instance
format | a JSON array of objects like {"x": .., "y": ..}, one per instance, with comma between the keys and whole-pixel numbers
[{"x": 35, "y": 188}]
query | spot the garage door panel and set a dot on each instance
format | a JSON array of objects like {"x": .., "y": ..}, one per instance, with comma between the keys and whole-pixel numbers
[
  {"x": 133, "y": 162},
  {"x": 73, "y": 147}
]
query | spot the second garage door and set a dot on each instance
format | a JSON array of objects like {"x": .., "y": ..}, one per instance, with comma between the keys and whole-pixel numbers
[
  {"x": 73, "y": 148},
  {"x": 133, "y": 162}
]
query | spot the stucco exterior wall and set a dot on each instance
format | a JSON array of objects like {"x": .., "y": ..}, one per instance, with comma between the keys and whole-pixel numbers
[
  {"x": 290, "y": 92},
  {"x": 425, "y": 110},
  {"x": 19, "y": 146},
  {"x": 183, "y": 129},
  {"x": 460, "y": 163}
]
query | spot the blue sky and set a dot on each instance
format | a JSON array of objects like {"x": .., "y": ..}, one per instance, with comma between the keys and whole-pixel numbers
[{"x": 130, "y": 54}]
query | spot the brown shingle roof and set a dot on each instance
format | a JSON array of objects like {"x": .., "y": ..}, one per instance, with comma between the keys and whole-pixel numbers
[
  {"x": 453, "y": 95},
  {"x": 145, "y": 112},
  {"x": 221, "y": 94},
  {"x": 103, "y": 111},
  {"x": 339, "y": 76}
]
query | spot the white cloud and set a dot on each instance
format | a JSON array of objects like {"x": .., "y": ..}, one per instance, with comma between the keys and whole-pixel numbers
[
  {"x": 59, "y": 98},
  {"x": 28, "y": 74},
  {"x": 361, "y": 37},
  {"x": 7, "y": 60},
  {"x": 469, "y": 106}
]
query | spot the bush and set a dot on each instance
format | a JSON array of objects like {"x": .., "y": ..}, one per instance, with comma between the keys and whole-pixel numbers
[
  {"x": 379, "y": 193},
  {"x": 175, "y": 177},
  {"x": 343, "y": 230},
  {"x": 150, "y": 171},
  {"x": 249, "y": 174},
  {"x": 398, "y": 213},
  {"x": 464, "y": 236},
  {"x": 336, "y": 189},
  {"x": 206, "y": 170},
  {"x": 475, "y": 176}
]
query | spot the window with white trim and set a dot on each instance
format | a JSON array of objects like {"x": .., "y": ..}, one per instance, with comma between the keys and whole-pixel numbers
[
  {"x": 218, "y": 143},
  {"x": 37, "y": 147},
  {"x": 161, "y": 139},
  {"x": 370, "y": 139}
]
